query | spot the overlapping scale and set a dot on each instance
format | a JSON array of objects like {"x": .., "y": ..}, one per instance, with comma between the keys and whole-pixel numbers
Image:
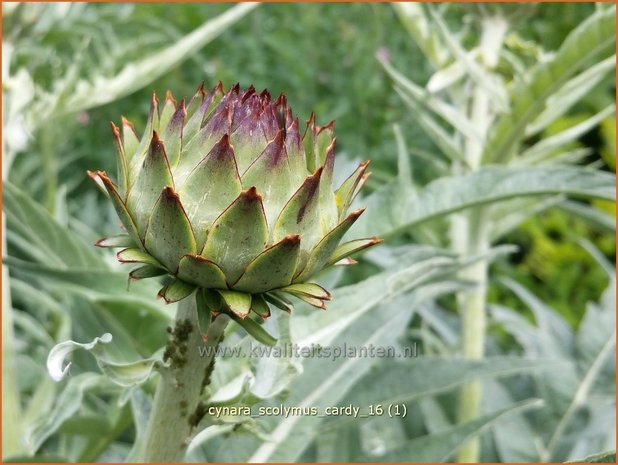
[{"x": 225, "y": 195}]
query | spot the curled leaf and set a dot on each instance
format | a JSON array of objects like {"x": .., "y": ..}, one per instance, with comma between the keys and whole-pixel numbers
[{"x": 56, "y": 357}]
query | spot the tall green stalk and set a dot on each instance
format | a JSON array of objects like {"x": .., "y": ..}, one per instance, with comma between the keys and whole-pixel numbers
[
  {"x": 470, "y": 236},
  {"x": 473, "y": 313},
  {"x": 177, "y": 407}
]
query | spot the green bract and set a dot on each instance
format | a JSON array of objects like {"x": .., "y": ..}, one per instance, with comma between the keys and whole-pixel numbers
[{"x": 225, "y": 195}]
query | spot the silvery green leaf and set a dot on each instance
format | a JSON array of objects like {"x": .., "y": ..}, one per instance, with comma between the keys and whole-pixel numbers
[
  {"x": 428, "y": 102},
  {"x": 487, "y": 185},
  {"x": 325, "y": 382},
  {"x": 590, "y": 213},
  {"x": 136, "y": 75},
  {"x": 547, "y": 145},
  {"x": 483, "y": 78},
  {"x": 570, "y": 93},
  {"x": 414, "y": 18},
  {"x": 379, "y": 434},
  {"x": 339, "y": 445},
  {"x": 404, "y": 169},
  {"x": 439, "y": 447},
  {"x": 515, "y": 438},
  {"x": 439, "y": 135},
  {"x": 274, "y": 374},
  {"x": 607, "y": 266},
  {"x": 129, "y": 374},
  {"x": 421, "y": 376},
  {"x": 121, "y": 373},
  {"x": 449, "y": 75},
  {"x": 141, "y": 406},
  {"x": 601, "y": 457},
  {"x": 592, "y": 41},
  {"x": 356, "y": 300},
  {"x": 51, "y": 241},
  {"x": 580, "y": 396},
  {"x": 66, "y": 405},
  {"x": 557, "y": 336},
  {"x": 435, "y": 417},
  {"x": 506, "y": 216},
  {"x": 58, "y": 354}
]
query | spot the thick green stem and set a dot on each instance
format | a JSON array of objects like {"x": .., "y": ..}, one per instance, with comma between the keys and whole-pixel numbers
[
  {"x": 472, "y": 308},
  {"x": 470, "y": 236},
  {"x": 176, "y": 405}
]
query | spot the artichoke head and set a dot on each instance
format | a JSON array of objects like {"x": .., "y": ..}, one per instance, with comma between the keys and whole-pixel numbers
[{"x": 225, "y": 196}]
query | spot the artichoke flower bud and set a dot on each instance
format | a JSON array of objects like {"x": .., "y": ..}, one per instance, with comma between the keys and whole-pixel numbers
[{"x": 225, "y": 196}]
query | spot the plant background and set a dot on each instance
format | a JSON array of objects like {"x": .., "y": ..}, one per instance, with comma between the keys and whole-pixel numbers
[{"x": 323, "y": 57}]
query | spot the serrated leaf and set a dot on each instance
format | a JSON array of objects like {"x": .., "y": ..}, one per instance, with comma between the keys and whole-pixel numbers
[
  {"x": 421, "y": 376},
  {"x": 47, "y": 241},
  {"x": 67, "y": 404},
  {"x": 325, "y": 382}
]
